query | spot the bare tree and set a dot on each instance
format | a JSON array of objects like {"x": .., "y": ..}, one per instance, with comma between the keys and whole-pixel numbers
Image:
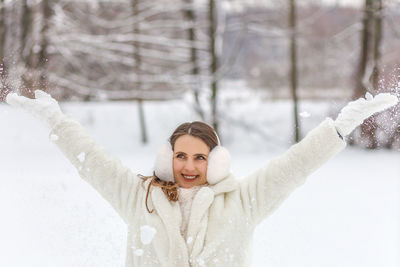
[
  {"x": 293, "y": 67},
  {"x": 137, "y": 60},
  {"x": 34, "y": 44},
  {"x": 93, "y": 43},
  {"x": 3, "y": 31},
  {"x": 26, "y": 46},
  {"x": 190, "y": 16},
  {"x": 366, "y": 38},
  {"x": 214, "y": 62},
  {"x": 378, "y": 13},
  {"x": 367, "y": 78},
  {"x": 3, "y": 34},
  {"x": 27, "y": 41},
  {"x": 43, "y": 54}
]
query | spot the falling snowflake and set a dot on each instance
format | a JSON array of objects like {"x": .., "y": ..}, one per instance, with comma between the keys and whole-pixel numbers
[
  {"x": 138, "y": 252},
  {"x": 81, "y": 156},
  {"x": 54, "y": 137},
  {"x": 305, "y": 114},
  {"x": 146, "y": 234}
]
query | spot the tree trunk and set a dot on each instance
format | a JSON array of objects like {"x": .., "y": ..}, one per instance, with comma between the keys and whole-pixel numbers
[
  {"x": 137, "y": 58},
  {"x": 142, "y": 120},
  {"x": 4, "y": 86},
  {"x": 27, "y": 55},
  {"x": 191, "y": 17},
  {"x": 27, "y": 27},
  {"x": 370, "y": 126},
  {"x": 378, "y": 13},
  {"x": 3, "y": 32},
  {"x": 43, "y": 56},
  {"x": 214, "y": 63},
  {"x": 293, "y": 67},
  {"x": 370, "y": 25},
  {"x": 360, "y": 88}
]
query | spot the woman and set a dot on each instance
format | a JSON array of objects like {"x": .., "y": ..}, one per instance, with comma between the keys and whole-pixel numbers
[{"x": 192, "y": 211}]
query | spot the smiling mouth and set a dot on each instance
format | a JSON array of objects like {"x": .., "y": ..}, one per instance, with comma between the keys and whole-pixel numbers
[{"x": 190, "y": 178}]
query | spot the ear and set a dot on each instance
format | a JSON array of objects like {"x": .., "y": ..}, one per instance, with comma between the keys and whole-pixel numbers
[
  {"x": 163, "y": 165},
  {"x": 219, "y": 164}
]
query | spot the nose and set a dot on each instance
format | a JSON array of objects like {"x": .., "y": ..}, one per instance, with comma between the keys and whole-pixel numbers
[{"x": 189, "y": 166}]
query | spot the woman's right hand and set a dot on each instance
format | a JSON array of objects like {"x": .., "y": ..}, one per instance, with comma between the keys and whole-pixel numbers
[{"x": 42, "y": 106}]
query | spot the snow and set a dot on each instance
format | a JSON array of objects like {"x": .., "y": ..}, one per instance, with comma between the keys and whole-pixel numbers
[
  {"x": 138, "y": 252},
  {"x": 81, "y": 157},
  {"x": 54, "y": 137},
  {"x": 347, "y": 214},
  {"x": 146, "y": 234},
  {"x": 201, "y": 262},
  {"x": 304, "y": 114}
]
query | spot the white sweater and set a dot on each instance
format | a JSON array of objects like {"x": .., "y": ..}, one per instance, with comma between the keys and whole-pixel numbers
[
  {"x": 185, "y": 199},
  {"x": 222, "y": 218}
]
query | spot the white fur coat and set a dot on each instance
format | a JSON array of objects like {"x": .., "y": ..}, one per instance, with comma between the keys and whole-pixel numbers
[{"x": 223, "y": 216}]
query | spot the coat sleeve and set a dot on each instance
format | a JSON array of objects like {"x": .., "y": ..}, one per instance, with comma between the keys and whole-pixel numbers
[
  {"x": 114, "y": 181},
  {"x": 264, "y": 190}
]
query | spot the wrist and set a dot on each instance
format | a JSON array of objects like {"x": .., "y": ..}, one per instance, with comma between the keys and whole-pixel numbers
[{"x": 54, "y": 118}]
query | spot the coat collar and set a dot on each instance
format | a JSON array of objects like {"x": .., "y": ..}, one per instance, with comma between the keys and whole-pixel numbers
[
  {"x": 226, "y": 185},
  {"x": 171, "y": 216}
]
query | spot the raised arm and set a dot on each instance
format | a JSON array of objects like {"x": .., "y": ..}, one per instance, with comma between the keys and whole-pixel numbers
[
  {"x": 115, "y": 182},
  {"x": 264, "y": 190}
]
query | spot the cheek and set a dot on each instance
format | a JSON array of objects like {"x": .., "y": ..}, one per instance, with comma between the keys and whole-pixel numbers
[
  {"x": 203, "y": 168},
  {"x": 176, "y": 165}
]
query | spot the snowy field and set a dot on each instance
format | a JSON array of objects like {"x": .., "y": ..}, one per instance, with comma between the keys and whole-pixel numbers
[{"x": 346, "y": 215}]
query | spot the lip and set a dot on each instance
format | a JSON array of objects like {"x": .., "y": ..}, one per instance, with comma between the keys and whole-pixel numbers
[{"x": 190, "y": 180}]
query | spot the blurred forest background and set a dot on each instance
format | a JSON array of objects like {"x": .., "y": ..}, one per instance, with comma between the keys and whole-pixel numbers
[{"x": 160, "y": 50}]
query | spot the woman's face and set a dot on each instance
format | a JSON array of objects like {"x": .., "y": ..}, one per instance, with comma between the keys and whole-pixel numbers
[{"x": 190, "y": 161}]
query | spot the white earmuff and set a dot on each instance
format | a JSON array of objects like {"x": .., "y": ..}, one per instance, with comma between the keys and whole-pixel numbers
[
  {"x": 219, "y": 163},
  {"x": 163, "y": 166}
]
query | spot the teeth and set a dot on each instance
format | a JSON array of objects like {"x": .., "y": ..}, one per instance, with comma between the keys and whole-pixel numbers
[{"x": 189, "y": 177}]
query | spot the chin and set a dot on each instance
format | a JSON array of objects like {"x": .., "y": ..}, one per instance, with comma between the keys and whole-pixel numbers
[{"x": 189, "y": 184}]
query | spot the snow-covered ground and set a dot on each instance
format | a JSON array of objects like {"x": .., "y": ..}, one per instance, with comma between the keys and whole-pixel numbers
[{"x": 347, "y": 214}]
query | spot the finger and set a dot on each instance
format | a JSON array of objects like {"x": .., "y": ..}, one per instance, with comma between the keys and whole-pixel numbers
[
  {"x": 357, "y": 102},
  {"x": 15, "y": 100},
  {"x": 368, "y": 96},
  {"x": 22, "y": 102},
  {"x": 382, "y": 102},
  {"x": 387, "y": 98},
  {"x": 39, "y": 94},
  {"x": 9, "y": 97}
]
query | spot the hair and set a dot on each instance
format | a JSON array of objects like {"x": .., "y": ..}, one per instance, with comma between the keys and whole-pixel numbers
[{"x": 197, "y": 129}]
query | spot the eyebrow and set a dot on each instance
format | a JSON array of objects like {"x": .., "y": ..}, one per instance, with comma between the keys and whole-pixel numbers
[{"x": 198, "y": 154}]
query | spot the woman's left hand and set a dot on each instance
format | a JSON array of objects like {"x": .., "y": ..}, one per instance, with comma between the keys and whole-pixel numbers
[{"x": 355, "y": 112}]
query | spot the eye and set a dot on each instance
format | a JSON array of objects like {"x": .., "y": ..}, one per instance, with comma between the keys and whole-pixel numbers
[
  {"x": 180, "y": 156},
  {"x": 201, "y": 157}
]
